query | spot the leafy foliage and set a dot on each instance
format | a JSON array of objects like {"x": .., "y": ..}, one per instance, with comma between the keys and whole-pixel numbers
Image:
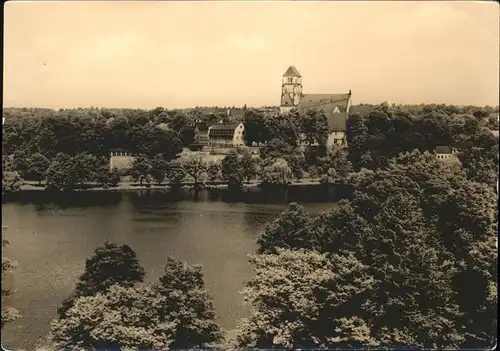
[
  {"x": 9, "y": 314},
  {"x": 285, "y": 127},
  {"x": 277, "y": 172},
  {"x": 173, "y": 313},
  {"x": 141, "y": 169},
  {"x": 305, "y": 296},
  {"x": 239, "y": 165},
  {"x": 69, "y": 172},
  {"x": 11, "y": 182},
  {"x": 232, "y": 169},
  {"x": 109, "y": 265},
  {"x": 194, "y": 166},
  {"x": 426, "y": 234},
  {"x": 314, "y": 126}
]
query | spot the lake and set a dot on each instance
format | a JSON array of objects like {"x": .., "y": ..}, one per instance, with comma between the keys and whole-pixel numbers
[{"x": 52, "y": 235}]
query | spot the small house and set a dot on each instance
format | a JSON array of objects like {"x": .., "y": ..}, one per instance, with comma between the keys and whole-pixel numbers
[
  {"x": 444, "y": 152},
  {"x": 226, "y": 134},
  {"x": 121, "y": 160}
]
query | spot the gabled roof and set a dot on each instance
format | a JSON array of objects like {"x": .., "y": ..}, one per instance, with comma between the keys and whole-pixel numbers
[
  {"x": 324, "y": 101},
  {"x": 292, "y": 72},
  {"x": 337, "y": 122},
  {"x": 225, "y": 126},
  {"x": 442, "y": 149},
  {"x": 328, "y": 103}
]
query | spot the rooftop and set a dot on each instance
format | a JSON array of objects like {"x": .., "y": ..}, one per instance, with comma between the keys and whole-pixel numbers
[
  {"x": 292, "y": 72},
  {"x": 323, "y": 100},
  {"x": 443, "y": 149},
  {"x": 231, "y": 126}
]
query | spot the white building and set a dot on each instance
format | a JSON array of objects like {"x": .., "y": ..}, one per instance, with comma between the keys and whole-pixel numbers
[
  {"x": 226, "y": 134},
  {"x": 444, "y": 152}
]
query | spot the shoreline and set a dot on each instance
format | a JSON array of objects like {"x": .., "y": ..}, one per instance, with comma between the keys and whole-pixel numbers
[{"x": 128, "y": 186}]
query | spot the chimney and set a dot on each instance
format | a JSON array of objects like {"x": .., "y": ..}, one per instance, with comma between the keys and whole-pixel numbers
[{"x": 349, "y": 91}]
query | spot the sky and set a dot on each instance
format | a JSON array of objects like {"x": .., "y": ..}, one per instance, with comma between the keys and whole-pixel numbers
[{"x": 125, "y": 54}]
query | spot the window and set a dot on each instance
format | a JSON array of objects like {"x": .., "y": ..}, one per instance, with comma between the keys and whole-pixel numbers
[{"x": 290, "y": 80}]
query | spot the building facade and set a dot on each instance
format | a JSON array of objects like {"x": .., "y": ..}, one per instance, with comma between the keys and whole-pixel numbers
[
  {"x": 335, "y": 106},
  {"x": 226, "y": 135},
  {"x": 121, "y": 160},
  {"x": 445, "y": 153}
]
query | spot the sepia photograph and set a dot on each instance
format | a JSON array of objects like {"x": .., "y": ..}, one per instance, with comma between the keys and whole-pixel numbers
[{"x": 250, "y": 175}]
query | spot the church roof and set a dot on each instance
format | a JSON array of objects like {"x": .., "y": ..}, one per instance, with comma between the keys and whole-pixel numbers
[
  {"x": 337, "y": 122},
  {"x": 291, "y": 72},
  {"x": 334, "y": 106},
  {"x": 319, "y": 100}
]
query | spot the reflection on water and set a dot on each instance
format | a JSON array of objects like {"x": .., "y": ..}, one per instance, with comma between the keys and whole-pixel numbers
[{"x": 52, "y": 235}]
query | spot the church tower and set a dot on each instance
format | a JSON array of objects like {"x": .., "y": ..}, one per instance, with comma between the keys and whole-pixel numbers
[{"x": 291, "y": 89}]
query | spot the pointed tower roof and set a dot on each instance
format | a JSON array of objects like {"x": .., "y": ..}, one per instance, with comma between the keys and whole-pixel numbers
[{"x": 292, "y": 72}]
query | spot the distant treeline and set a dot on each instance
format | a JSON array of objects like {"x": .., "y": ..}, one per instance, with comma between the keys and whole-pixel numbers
[{"x": 36, "y": 139}]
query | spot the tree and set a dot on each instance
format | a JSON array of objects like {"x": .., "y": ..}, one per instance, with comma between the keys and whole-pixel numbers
[
  {"x": 11, "y": 182},
  {"x": 173, "y": 313},
  {"x": 290, "y": 230},
  {"x": 83, "y": 168},
  {"x": 314, "y": 126},
  {"x": 285, "y": 127},
  {"x": 186, "y": 298},
  {"x": 175, "y": 172},
  {"x": 159, "y": 168},
  {"x": 60, "y": 173},
  {"x": 194, "y": 166},
  {"x": 277, "y": 173},
  {"x": 232, "y": 169},
  {"x": 336, "y": 166},
  {"x": 255, "y": 128},
  {"x": 69, "y": 172},
  {"x": 9, "y": 314},
  {"x": 108, "y": 177},
  {"x": 109, "y": 265},
  {"x": 425, "y": 232},
  {"x": 19, "y": 162},
  {"x": 298, "y": 300},
  {"x": 214, "y": 171},
  {"x": 292, "y": 155},
  {"x": 38, "y": 165},
  {"x": 141, "y": 169},
  {"x": 275, "y": 148},
  {"x": 249, "y": 164},
  {"x": 356, "y": 134},
  {"x": 183, "y": 125}
]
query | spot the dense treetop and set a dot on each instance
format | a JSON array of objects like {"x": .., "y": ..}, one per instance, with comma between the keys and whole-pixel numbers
[{"x": 409, "y": 260}]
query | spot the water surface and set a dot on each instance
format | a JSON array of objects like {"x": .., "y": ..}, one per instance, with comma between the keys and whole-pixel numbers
[{"x": 52, "y": 236}]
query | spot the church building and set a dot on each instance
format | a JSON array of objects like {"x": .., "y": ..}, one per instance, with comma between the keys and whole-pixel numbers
[{"x": 335, "y": 106}]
